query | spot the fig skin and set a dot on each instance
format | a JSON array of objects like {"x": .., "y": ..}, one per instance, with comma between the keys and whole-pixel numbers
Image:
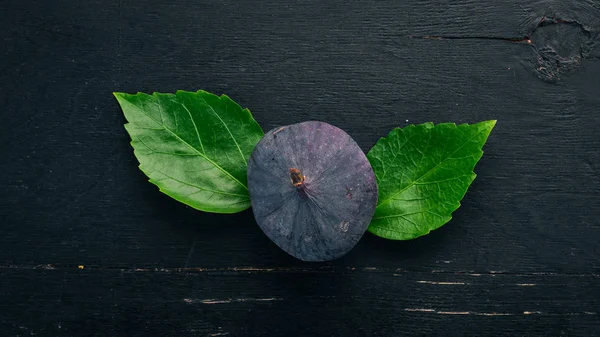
[{"x": 312, "y": 189}]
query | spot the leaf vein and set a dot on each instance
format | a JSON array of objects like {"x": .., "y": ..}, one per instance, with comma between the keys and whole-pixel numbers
[
  {"x": 195, "y": 127},
  {"x": 431, "y": 170},
  {"x": 226, "y": 127},
  {"x": 193, "y": 148}
]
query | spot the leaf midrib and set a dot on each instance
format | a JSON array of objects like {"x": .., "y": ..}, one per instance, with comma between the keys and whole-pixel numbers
[
  {"x": 200, "y": 187},
  {"x": 191, "y": 147},
  {"x": 412, "y": 183}
]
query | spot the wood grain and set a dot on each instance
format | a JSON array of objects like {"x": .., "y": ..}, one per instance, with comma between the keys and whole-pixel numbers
[{"x": 71, "y": 193}]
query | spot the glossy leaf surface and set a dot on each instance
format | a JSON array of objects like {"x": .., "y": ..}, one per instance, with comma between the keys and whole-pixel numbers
[
  {"x": 423, "y": 171},
  {"x": 194, "y": 146}
]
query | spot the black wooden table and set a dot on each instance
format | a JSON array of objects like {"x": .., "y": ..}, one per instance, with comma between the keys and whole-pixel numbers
[{"x": 89, "y": 248}]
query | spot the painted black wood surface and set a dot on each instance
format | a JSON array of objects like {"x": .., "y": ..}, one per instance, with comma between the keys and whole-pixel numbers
[{"x": 89, "y": 248}]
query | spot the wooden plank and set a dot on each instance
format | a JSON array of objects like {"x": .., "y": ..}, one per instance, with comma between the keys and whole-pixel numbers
[
  {"x": 293, "y": 301},
  {"x": 78, "y": 197}
]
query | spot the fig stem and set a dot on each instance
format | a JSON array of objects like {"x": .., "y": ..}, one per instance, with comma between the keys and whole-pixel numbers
[{"x": 296, "y": 177}]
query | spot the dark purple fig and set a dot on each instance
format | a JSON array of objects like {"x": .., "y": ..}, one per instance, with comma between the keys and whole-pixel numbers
[{"x": 312, "y": 190}]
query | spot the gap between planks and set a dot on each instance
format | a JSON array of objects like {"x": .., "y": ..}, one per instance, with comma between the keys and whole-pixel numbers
[
  {"x": 324, "y": 269},
  {"x": 475, "y": 313}
]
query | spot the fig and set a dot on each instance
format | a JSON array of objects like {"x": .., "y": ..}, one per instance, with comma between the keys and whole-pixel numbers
[{"x": 313, "y": 191}]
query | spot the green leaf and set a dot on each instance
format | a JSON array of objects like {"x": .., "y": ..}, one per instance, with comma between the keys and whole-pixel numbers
[
  {"x": 194, "y": 146},
  {"x": 423, "y": 171}
]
